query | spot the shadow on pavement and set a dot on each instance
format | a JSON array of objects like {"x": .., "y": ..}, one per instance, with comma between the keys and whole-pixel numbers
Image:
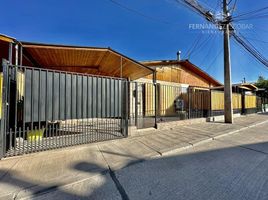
[{"x": 229, "y": 172}]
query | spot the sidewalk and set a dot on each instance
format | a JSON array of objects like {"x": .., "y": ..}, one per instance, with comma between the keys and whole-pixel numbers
[{"x": 41, "y": 172}]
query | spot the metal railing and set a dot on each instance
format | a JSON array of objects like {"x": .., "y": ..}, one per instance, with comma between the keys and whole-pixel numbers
[{"x": 48, "y": 109}]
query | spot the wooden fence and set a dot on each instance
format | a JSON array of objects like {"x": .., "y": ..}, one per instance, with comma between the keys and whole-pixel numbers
[
  {"x": 167, "y": 96},
  {"x": 217, "y": 100},
  {"x": 149, "y": 99},
  {"x": 194, "y": 100},
  {"x": 250, "y": 101}
]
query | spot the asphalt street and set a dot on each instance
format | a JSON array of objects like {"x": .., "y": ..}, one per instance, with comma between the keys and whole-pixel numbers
[{"x": 231, "y": 167}]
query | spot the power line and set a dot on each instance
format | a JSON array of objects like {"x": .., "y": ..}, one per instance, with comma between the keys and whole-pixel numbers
[
  {"x": 250, "y": 13},
  {"x": 195, "y": 52},
  {"x": 251, "y": 49},
  {"x": 255, "y": 39},
  {"x": 209, "y": 50},
  {"x": 214, "y": 60},
  {"x": 140, "y": 13},
  {"x": 193, "y": 46}
]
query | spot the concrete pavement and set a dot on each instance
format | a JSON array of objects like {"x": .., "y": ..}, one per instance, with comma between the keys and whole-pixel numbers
[{"x": 60, "y": 172}]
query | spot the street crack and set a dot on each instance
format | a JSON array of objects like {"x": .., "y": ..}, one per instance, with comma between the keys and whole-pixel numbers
[{"x": 118, "y": 185}]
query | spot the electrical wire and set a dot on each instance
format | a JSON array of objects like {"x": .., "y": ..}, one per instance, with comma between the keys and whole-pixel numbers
[
  {"x": 140, "y": 13},
  {"x": 250, "y": 14},
  {"x": 196, "y": 50},
  {"x": 214, "y": 60},
  {"x": 210, "y": 49},
  {"x": 250, "y": 49},
  {"x": 194, "y": 44}
]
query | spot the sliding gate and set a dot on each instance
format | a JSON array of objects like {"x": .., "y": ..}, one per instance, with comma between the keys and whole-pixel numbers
[{"x": 47, "y": 109}]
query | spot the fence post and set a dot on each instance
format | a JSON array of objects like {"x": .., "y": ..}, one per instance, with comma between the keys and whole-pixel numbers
[
  {"x": 243, "y": 99},
  {"x": 155, "y": 100},
  {"x": 126, "y": 106},
  {"x": 189, "y": 103},
  {"x": 136, "y": 103},
  {"x": 3, "y": 110},
  {"x": 210, "y": 103}
]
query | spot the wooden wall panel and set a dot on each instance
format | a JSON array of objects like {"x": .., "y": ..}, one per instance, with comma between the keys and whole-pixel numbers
[
  {"x": 217, "y": 100},
  {"x": 180, "y": 74},
  {"x": 149, "y": 99},
  {"x": 167, "y": 96},
  {"x": 200, "y": 100},
  {"x": 250, "y": 101}
]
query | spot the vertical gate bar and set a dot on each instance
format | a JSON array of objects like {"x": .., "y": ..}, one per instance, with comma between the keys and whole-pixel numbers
[
  {"x": 155, "y": 102},
  {"x": 39, "y": 107},
  {"x": 10, "y": 58},
  {"x": 19, "y": 142},
  {"x": 110, "y": 106},
  {"x": 82, "y": 112},
  {"x": 59, "y": 115},
  {"x": 72, "y": 120},
  {"x": 126, "y": 107},
  {"x": 92, "y": 107},
  {"x": 32, "y": 99},
  {"x": 106, "y": 107},
  {"x": 210, "y": 103},
  {"x": 76, "y": 136},
  {"x": 118, "y": 131},
  {"x": 16, "y": 96},
  {"x": 189, "y": 103},
  {"x": 102, "y": 119},
  {"x": 19, "y": 131},
  {"x": 23, "y": 117},
  {"x": 97, "y": 107},
  {"x": 54, "y": 140},
  {"x": 112, "y": 110},
  {"x": 27, "y": 148},
  {"x": 87, "y": 106},
  {"x": 122, "y": 120},
  {"x": 10, "y": 141},
  {"x": 35, "y": 138},
  {"x": 66, "y": 128},
  {"x": 117, "y": 108},
  {"x": 3, "y": 114},
  {"x": 31, "y": 109},
  {"x": 46, "y": 110},
  {"x": 115, "y": 111},
  {"x": 136, "y": 104}
]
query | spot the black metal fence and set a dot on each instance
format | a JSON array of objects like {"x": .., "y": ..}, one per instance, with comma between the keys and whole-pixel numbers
[
  {"x": 142, "y": 104},
  {"x": 47, "y": 109},
  {"x": 156, "y": 103}
]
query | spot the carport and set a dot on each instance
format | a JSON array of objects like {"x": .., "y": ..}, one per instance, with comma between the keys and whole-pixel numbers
[{"x": 59, "y": 95}]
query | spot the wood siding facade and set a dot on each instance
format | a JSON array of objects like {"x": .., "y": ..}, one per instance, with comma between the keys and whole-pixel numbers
[{"x": 180, "y": 75}]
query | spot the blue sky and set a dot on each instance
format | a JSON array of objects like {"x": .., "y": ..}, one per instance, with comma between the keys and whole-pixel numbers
[{"x": 156, "y": 37}]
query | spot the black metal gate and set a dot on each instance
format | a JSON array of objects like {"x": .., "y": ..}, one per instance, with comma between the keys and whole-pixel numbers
[
  {"x": 142, "y": 105},
  {"x": 47, "y": 109}
]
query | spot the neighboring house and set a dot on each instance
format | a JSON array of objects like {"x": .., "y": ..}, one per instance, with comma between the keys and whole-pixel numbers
[
  {"x": 182, "y": 91},
  {"x": 182, "y": 72}
]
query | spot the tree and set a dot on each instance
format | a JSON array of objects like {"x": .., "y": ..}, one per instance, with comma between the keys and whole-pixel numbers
[{"x": 262, "y": 83}]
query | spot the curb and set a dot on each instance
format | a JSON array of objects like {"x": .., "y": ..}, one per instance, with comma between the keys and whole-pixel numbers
[{"x": 176, "y": 150}]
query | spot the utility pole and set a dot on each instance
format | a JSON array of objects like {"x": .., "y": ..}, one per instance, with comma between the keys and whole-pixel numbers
[{"x": 228, "y": 105}]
